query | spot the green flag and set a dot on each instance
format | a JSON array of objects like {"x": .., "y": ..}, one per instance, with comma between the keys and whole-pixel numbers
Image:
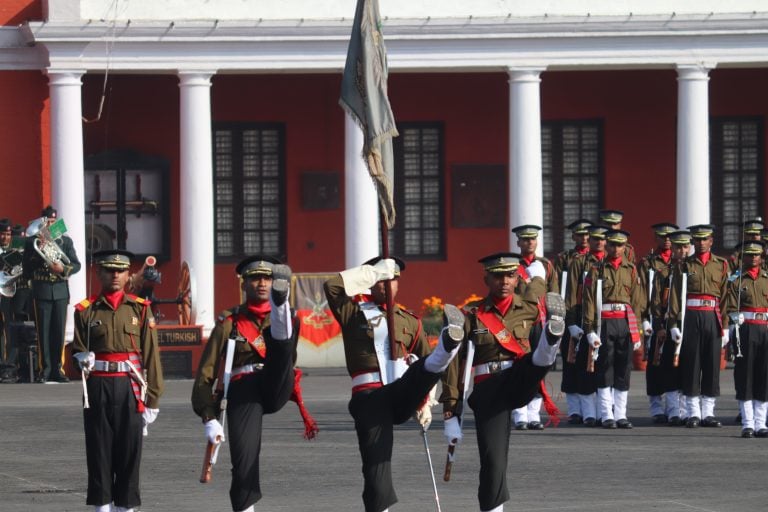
[{"x": 364, "y": 97}]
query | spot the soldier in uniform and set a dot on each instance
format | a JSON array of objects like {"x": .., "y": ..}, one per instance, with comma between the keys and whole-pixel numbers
[
  {"x": 619, "y": 333},
  {"x": 747, "y": 303},
  {"x": 265, "y": 334},
  {"x": 702, "y": 337},
  {"x": 751, "y": 230},
  {"x": 507, "y": 373},
  {"x": 656, "y": 262},
  {"x": 390, "y": 380},
  {"x": 528, "y": 241},
  {"x": 50, "y": 295},
  {"x": 577, "y": 349},
  {"x": 612, "y": 219},
  {"x": 580, "y": 236},
  {"x": 116, "y": 347},
  {"x": 6, "y": 353}
]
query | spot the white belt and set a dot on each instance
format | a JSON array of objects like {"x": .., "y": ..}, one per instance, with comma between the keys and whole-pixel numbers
[
  {"x": 754, "y": 315},
  {"x": 247, "y": 368},
  {"x": 111, "y": 366},
  {"x": 700, "y": 303},
  {"x": 492, "y": 367},
  {"x": 614, "y": 306},
  {"x": 366, "y": 378}
]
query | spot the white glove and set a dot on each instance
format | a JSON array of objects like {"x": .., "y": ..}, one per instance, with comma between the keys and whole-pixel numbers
[
  {"x": 452, "y": 430},
  {"x": 636, "y": 346},
  {"x": 575, "y": 331},
  {"x": 214, "y": 431},
  {"x": 594, "y": 340},
  {"x": 725, "y": 339},
  {"x": 148, "y": 417},
  {"x": 677, "y": 336},
  {"x": 424, "y": 414},
  {"x": 741, "y": 318},
  {"x": 647, "y": 329},
  {"x": 85, "y": 360},
  {"x": 536, "y": 269},
  {"x": 359, "y": 279}
]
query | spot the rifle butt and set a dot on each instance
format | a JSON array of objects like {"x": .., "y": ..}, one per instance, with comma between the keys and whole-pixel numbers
[
  {"x": 590, "y": 360},
  {"x": 572, "y": 344},
  {"x": 676, "y": 361},
  {"x": 207, "y": 473},
  {"x": 448, "y": 464},
  {"x": 657, "y": 352}
]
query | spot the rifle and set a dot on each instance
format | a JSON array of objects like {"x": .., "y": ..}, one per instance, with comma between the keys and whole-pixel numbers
[
  {"x": 738, "y": 294},
  {"x": 647, "y": 350},
  {"x": 683, "y": 300},
  {"x": 212, "y": 448},
  {"x": 594, "y": 353},
  {"x": 463, "y": 393},
  {"x": 659, "y": 338}
]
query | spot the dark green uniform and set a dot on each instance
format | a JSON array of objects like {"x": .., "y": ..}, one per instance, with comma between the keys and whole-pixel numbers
[{"x": 113, "y": 422}]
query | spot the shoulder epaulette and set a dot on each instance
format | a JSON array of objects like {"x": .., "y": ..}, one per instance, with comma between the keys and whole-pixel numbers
[
  {"x": 409, "y": 312},
  {"x": 542, "y": 259},
  {"x": 86, "y": 303},
  {"x": 715, "y": 257},
  {"x": 140, "y": 300},
  {"x": 226, "y": 315}
]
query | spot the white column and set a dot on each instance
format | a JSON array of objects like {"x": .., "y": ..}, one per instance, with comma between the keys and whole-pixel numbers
[
  {"x": 196, "y": 187},
  {"x": 67, "y": 174},
  {"x": 361, "y": 204},
  {"x": 692, "y": 200},
  {"x": 525, "y": 183}
]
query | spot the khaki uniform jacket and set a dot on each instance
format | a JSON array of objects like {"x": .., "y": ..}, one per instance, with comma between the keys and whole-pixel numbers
[
  {"x": 551, "y": 277},
  {"x": 129, "y": 328},
  {"x": 651, "y": 261},
  {"x": 620, "y": 285},
  {"x": 204, "y": 403},
  {"x": 662, "y": 285},
  {"x": 359, "y": 350},
  {"x": 754, "y": 293},
  {"x": 709, "y": 279},
  {"x": 574, "y": 297},
  {"x": 518, "y": 320}
]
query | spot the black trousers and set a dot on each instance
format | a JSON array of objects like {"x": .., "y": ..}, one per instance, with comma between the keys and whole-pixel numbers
[
  {"x": 250, "y": 398},
  {"x": 50, "y": 320},
  {"x": 750, "y": 373},
  {"x": 112, "y": 442},
  {"x": 614, "y": 362},
  {"x": 492, "y": 401},
  {"x": 700, "y": 354},
  {"x": 663, "y": 377},
  {"x": 375, "y": 413}
]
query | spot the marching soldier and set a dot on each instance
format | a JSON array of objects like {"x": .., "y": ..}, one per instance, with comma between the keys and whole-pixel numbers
[
  {"x": 262, "y": 335},
  {"x": 702, "y": 337},
  {"x": 528, "y": 417},
  {"x": 751, "y": 230},
  {"x": 116, "y": 348},
  {"x": 507, "y": 374},
  {"x": 611, "y": 295},
  {"x": 580, "y": 236},
  {"x": 390, "y": 378},
  {"x": 657, "y": 262},
  {"x": 747, "y": 303},
  {"x": 50, "y": 295},
  {"x": 577, "y": 350},
  {"x": 612, "y": 219}
]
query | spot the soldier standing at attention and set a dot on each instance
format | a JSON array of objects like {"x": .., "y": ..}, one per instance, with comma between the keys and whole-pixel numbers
[
  {"x": 507, "y": 373},
  {"x": 116, "y": 348},
  {"x": 50, "y": 295},
  {"x": 613, "y": 317},
  {"x": 702, "y": 337},
  {"x": 612, "y": 219},
  {"x": 747, "y": 303},
  {"x": 580, "y": 236},
  {"x": 657, "y": 262},
  {"x": 390, "y": 378},
  {"x": 263, "y": 333},
  {"x": 751, "y": 230}
]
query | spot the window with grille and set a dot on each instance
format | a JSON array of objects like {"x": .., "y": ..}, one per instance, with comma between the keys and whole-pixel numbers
[
  {"x": 572, "y": 170},
  {"x": 736, "y": 177},
  {"x": 249, "y": 190},
  {"x": 419, "y": 231}
]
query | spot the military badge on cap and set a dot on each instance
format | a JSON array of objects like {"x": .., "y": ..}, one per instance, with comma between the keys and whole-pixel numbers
[
  {"x": 527, "y": 231},
  {"x": 597, "y": 232},
  {"x": 754, "y": 226},
  {"x": 113, "y": 259},
  {"x": 501, "y": 262},
  {"x": 256, "y": 265},
  {"x": 611, "y": 216},
  {"x": 617, "y": 236},
  {"x": 663, "y": 229},
  {"x": 681, "y": 237},
  {"x": 701, "y": 230},
  {"x": 752, "y": 247}
]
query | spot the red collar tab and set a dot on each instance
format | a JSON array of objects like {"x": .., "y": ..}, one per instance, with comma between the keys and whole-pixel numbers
[
  {"x": 114, "y": 298},
  {"x": 598, "y": 254},
  {"x": 615, "y": 262},
  {"x": 704, "y": 257},
  {"x": 666, "y": 255},
  {"x": 502, "y": 304}
]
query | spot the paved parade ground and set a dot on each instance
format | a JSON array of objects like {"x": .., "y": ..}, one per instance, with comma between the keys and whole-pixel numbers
[{"x": 572, "y": 468}]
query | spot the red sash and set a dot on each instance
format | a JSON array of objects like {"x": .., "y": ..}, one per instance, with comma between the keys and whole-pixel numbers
[
  {"x": 502, "y": 335},
  {"x": 246, "y": 326},
  {"x": 135, "y": 359}
]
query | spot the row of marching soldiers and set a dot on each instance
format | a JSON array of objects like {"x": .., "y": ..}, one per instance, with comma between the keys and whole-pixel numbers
[{"x": 682, "y": 308}]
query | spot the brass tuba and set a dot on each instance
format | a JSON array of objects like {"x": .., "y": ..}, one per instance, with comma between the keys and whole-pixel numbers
[
  {"x": 10, "y": 273},
  {"x": 45, "y": 244}
]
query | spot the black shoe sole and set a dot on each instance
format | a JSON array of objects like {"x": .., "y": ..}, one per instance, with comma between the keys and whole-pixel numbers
[
  {"x": 555, "y": 314},
  {"x": 455, "y": 320},
  {"x": 281, "y": 283}
]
